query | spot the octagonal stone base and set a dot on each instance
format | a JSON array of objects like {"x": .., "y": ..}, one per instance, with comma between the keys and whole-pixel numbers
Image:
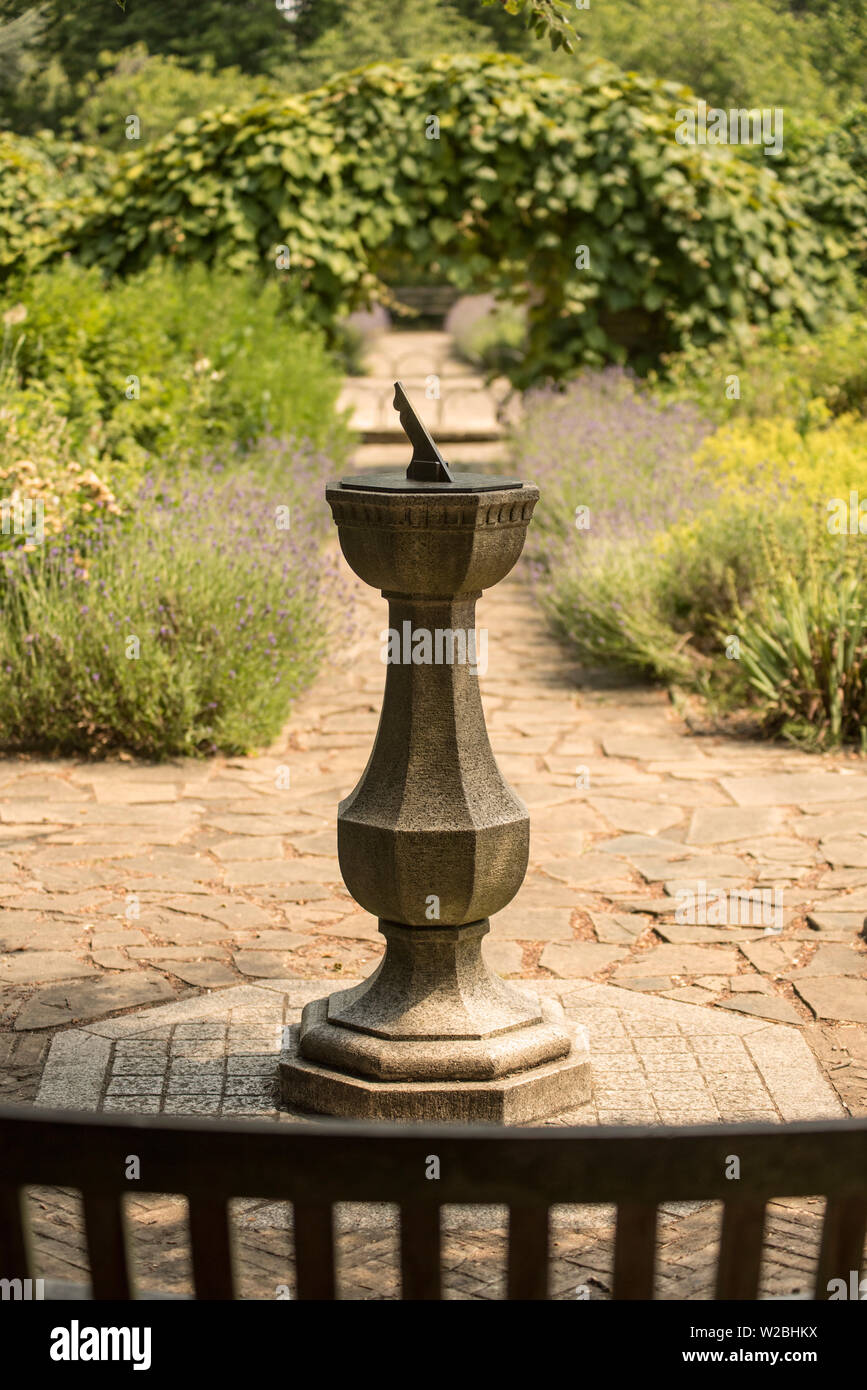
[{"x": 519, "y": 1098}]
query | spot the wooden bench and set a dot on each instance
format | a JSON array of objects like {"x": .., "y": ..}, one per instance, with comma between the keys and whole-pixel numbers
[
  {"x": 528, "y": 1170},
  {"x": 430, "y": 301}
]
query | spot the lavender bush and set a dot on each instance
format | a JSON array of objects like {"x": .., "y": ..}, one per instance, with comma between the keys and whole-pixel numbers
[
  {"x": 488, "y": 334},
  {"x": 357, "y": 333},
  {"x": 467, "y": 311},
  {"x": 704, "y": 557},
  {"x": 186, "y": 627},
  {"x": 615, "y": 471}
]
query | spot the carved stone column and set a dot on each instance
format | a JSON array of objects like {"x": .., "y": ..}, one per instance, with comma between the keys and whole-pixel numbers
[{"x": 432, "y": 840}]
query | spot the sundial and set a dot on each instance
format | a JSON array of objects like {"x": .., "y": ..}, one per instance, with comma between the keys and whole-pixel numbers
[
  {"x": 432, "y": 841},
  {"x": 428, "y": 470}
]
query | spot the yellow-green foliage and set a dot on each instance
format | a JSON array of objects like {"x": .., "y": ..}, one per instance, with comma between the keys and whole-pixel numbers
[
  {"x": 778, "y": 563},
  {"x": 715, "y": 560},
  {"x": 771, "y": 492},
  {"x": 771, "y": 464}
]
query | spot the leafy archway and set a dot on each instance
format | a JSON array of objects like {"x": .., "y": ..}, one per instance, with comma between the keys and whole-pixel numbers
[{"x": 573, "y": 194}]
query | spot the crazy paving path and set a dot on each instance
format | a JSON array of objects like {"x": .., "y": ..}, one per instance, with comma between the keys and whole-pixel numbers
[
  {"x": 126, "y": 885},
  {"x": 160, "y": 924}
]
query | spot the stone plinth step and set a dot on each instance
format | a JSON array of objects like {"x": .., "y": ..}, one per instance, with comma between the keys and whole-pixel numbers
[{"x": 516, "y": 1099}]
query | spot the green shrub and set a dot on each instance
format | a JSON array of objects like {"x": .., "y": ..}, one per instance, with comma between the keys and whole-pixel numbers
[
  {"x": 213, "y": 355},
  {"x": 245, "y": 32},
  {"x": 803, "y": 654},
  {"x": 45, "y": 186},
  {"x": 824, "y": 164},
  {"x": 48, "y": 485},
  {"x": 371, "y": 31},
  {"x": 44, "y": 490},
  {"x": 780, "y": 372},
  {"x": 160, "y": 90},
  {"x": 742, "y": 53}
]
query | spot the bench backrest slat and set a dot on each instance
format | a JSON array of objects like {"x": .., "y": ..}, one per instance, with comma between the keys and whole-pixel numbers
[
  {"x": 528, "y": 1252},
  {"x": 842, "y": 1245},
  {"x": 105, "y": 1231},
  {"x": 420, "y": 1262},
  {"x": 314, "y": 1250},
  {"x": 17, "y": 1259},
  {"x": 740, "y": 1250},
  {"x": 634, "y": 1250},
  {"x": 211, "y": 1248}
]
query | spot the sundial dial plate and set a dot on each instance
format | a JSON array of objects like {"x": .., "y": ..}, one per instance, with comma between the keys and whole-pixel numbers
[{"x": 396, "y": 481}]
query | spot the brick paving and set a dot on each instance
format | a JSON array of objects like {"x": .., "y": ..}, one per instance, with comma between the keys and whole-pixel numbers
[
  {"x": 128, "y": 888},
  {"x": 474, "y": 1250},
  {"x": 655, "y": 1061}
]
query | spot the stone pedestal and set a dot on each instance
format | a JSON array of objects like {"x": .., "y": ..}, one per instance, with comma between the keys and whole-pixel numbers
[{"x": 433, "y": 841}]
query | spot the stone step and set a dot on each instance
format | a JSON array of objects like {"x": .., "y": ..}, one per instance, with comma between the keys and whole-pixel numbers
[
  {"x": 460, "y": 412},
  {"x": 478, "y": 454}
]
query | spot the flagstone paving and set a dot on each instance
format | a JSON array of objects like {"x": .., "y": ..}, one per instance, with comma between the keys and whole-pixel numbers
[
  {"x": 126, "y": 885},
  {"x": 160, "y": 923}
]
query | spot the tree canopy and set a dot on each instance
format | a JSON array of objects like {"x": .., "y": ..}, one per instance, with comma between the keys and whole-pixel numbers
[{"x": 249, "y": 34}]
